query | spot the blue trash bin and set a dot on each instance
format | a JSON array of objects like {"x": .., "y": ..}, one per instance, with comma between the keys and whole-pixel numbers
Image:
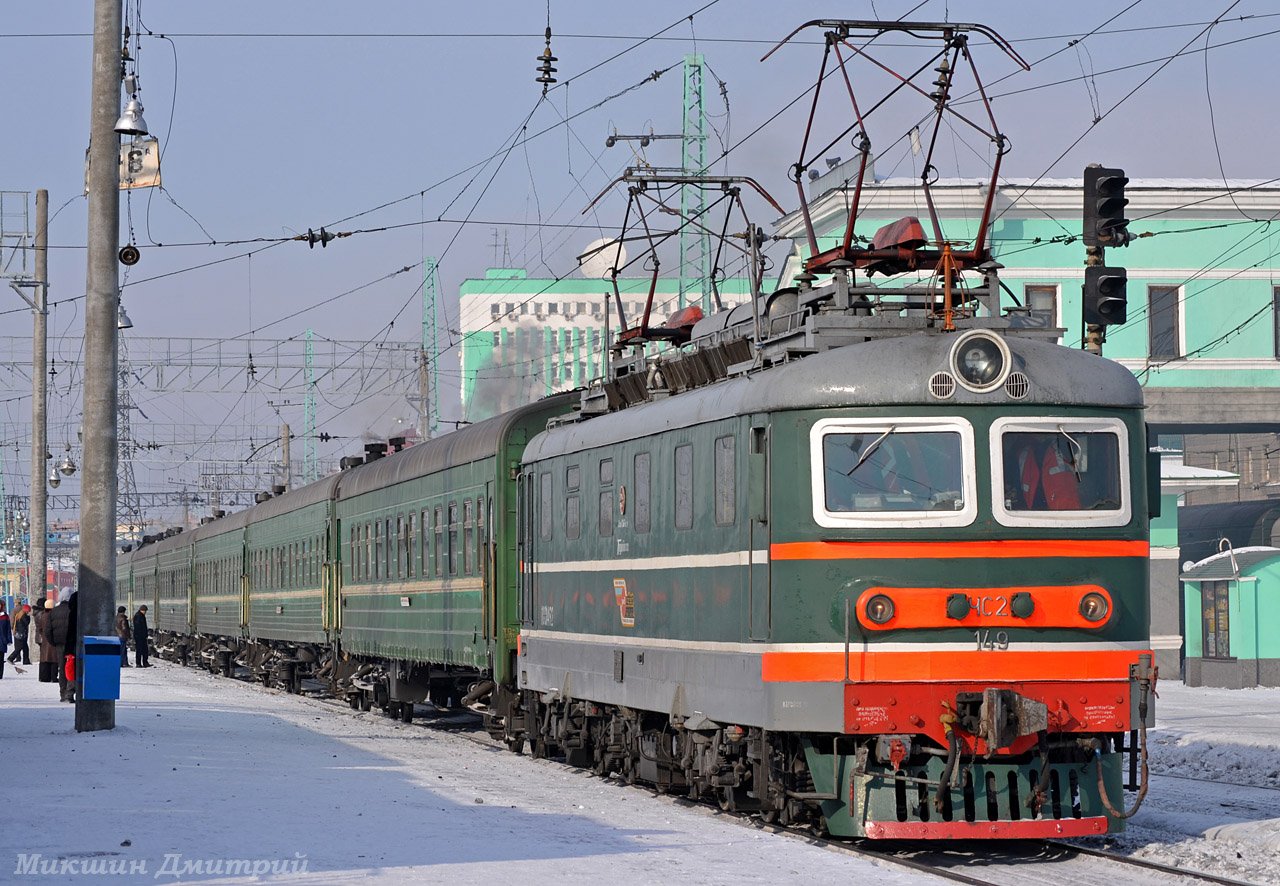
[{"x": 101, "y": 667}]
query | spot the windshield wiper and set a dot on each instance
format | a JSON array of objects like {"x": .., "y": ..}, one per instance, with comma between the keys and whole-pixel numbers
[
  {"x": 870, "y": 450},
  {"x": 1076, "y": 450}
]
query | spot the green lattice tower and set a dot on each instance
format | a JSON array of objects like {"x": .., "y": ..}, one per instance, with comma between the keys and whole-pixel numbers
[
  {"x": 310, "y": 459},
  {"x": 695, "y": 245},
  {"x": 430, "y": 349}
]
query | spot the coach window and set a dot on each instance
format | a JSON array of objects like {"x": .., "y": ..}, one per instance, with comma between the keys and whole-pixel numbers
[
  {"x": 572, "y": 503},
  {"x": 367, "y": 558},
  {"x": 544, "y": 506},
  {"x": 606, "y": 497},
  {"x": 726, "y": 486},
  {"x": 453, "y": 538},
  {"x": 468, "y": 537},
  {"x": 402, "y": 546},
  {"x": 893, "y": 472},
  {"x": 684, "y": 486},
  {"x": 641, "y": 465},
  {"x": 425, "y": 543},
  {"x": 412, "y": 546},
  {"x": 435, "y": 553},
  {"x": 389, "y": 563},
  {"x": 1060, "y": 472},
  {"x": 379, "y": 550}
]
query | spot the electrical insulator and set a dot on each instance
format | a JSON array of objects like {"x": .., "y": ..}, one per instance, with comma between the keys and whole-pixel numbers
[{"x": 545, "y": 70}]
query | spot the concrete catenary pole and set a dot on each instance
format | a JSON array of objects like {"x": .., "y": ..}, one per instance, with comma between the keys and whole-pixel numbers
[
  {"x": 37, "y": 572},
  {"x": 102, "y": 297}
]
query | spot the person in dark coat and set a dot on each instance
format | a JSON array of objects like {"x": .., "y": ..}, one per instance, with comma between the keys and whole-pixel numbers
[
  {"x": 140, "y": 646},
  {"x": 50, "y": 654},
  {"x": 122, "y": 631},
  {"x": 71, "y": 651},
  {"x": 21, "y": 631},
  {"x": 58, "y": 631},
  {"x": 6, "y": 636}
]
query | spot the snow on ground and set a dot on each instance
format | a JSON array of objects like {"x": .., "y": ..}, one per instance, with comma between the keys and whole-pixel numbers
[
  {"x": 1214, "y": 800},
  {"x": 202, "y": 773},
  {"x": 1221, "y": 734}
]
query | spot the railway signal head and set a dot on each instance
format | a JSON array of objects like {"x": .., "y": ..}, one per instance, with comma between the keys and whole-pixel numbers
[
  {"x": 1104, "y": 202},
  {"x": 1104, "y": 296}
]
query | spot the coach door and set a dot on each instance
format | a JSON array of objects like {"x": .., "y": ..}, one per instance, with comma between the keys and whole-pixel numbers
[
  {"x": 525, "y": 552},
  {"x": 758, "y": 509}
]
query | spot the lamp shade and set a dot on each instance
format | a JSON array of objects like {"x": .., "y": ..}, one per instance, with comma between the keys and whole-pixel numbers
[{"x": 131, "y": 122}]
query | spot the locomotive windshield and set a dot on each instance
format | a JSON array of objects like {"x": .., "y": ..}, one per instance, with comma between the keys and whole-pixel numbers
[
  {"x": 1061, "y": 472},
  {"x": 893, "y": 471},
  {"x": 1053, "y": 470}
]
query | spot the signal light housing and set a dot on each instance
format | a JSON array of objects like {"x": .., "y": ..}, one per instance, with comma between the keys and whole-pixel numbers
[
  {"x": 1104, "y": 203},
  {"x": 1105, "y": 296}
]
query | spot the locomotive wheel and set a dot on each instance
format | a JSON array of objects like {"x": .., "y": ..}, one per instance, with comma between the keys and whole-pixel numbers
[
  {"x": 539, "y": 749},
  {"x": 354, "y": 701},
  {"x": 515, "y": 745},
  {"x": 406, "y": 712},
  {"x": 366, "y": 703}
]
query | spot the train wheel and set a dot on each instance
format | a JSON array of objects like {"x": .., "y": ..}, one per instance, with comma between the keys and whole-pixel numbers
[
  {"x": 354, "y": 701},
  {"x": 366, "y": 703},
  {"x": 515, "y": 745},
  {"x": 406, "y": 712}
]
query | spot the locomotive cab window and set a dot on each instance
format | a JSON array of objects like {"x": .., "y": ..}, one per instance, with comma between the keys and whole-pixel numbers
[
  {"x": 1060, "y": 471},
  {"x": 893, "y": 472}
]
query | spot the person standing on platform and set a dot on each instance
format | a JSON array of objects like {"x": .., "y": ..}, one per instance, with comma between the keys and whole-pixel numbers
[
  {"x": 21, "y": 633},
  {"x": 140, "y": 645},
  {"x": 49, "y": 654},
  {"x": 58, "y": 629},
  {"x": 6, "y": 636},
  {"x": 122, "y": 631}
]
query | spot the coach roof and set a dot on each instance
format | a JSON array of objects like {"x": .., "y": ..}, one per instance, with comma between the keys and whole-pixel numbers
[{"x": 464, "y": 446}]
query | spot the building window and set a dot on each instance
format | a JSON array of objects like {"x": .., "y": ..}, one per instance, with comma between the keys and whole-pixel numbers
[
  {"x": 495, "y": 309},
  {"x": 1275, "y": 319},
  {"x": 1162, "y": 322},
  {"x": 1216, "y": 606},
  {"x": 684, "y": 486},
  {"x": 726, "y": 487},
  {"x": 1042, "y": 299}
]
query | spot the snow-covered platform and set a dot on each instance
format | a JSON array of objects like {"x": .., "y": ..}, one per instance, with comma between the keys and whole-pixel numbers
[
  {"x": 203, "y": 776},
  {"x": 213, "y": 781}
]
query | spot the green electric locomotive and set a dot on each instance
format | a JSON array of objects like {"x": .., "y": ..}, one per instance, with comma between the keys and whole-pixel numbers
[{"x": 884, "y": 578}]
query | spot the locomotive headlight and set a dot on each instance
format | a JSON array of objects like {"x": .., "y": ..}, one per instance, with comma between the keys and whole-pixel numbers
[
  {"x": 980, "y": 360},
  {"x": 1094, "y": 607},
  {"x": 879, "y": 609}
]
